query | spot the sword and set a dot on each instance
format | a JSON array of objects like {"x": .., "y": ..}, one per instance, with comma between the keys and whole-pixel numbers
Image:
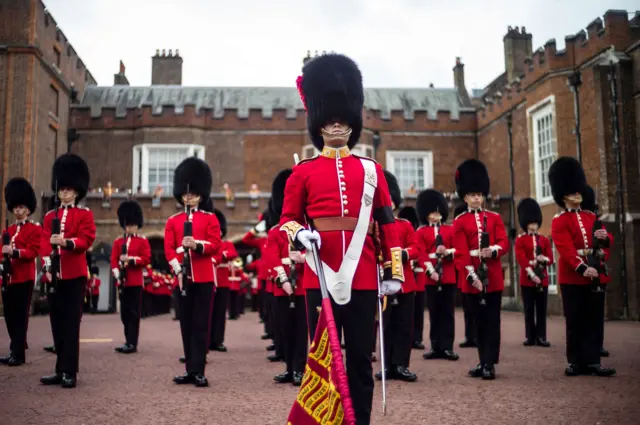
[{"x": 381, "y": 332}]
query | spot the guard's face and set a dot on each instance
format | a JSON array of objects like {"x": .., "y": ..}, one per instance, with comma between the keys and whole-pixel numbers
[
  {"x": 434, "y": 217},
  {"x": 474, "y": 200},
  {"x": 575, "y": 198},
  {"x": 131, "y": 228},
  {"x": 21, "y": 212},
  {"x": 336, "y": 133},
  {"x": 532, "y": 227},
  {"x": 67, "y": 195},
  {"x": 191, "y": 199}
]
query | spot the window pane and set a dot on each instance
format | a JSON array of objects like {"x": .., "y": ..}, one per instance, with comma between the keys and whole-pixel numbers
[{"x": 162, "y": 163}]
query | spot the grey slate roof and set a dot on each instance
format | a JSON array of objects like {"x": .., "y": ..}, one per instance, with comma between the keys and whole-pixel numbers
[{"x": 265, "y": 99}]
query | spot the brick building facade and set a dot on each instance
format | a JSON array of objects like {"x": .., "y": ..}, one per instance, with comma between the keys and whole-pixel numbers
[{"x": 132, "y": 137}]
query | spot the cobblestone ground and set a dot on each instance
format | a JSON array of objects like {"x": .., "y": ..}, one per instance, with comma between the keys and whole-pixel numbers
[{"x": 137, "y": 389}]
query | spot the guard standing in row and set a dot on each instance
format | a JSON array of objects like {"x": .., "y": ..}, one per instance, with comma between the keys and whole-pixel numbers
[
  {"x": 189, "y": 256},
  {"x": 93, "y": 289},
  {"x": 534, "y": 255},
  {"x": 65, "y": 263},
  {"x": 288, "y": 270},
  {"x": 435, "y": 241},
  {"x": 574, "y": 236},
  {"x": 480, "y": 240},
  {"x": 340, "y": 194},
  {"x": 22, "y": 246},
  {"x": 130, "y": 255},
  {"x": 469, "y": 325},
  {"x": 398, "y": 316}
]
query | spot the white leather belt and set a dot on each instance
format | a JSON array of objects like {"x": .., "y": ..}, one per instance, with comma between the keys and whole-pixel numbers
[
  {"x": 286, "y": 261},
  {"x": 474, "y": 253},
  {"x": 585, "y": 252},
  {"x": 222, "y": 266},
  {"x": 419, "y": 270}
]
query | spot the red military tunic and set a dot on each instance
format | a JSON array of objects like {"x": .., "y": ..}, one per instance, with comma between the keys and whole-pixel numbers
[
  {"x": 467, "y": 228},
  {"x": 76, "y": 225},
  {"x": 526, "y": 254},
  {"x": 206, "y": 232},
  {"x": 572, "y": 233},
  {"x": 93, "y": 286},
  {"x": 259, "y": 241},
  {"x": 427, "y": 244},
  {"x": 329, "y": 189},
  {"x": 139, "y": 252},
  {"x": 409, "y": 244},
  {"x": 25, "y": 241},
  {"x": 228, "y": 253},
  {"x": 279, "y": 263}
]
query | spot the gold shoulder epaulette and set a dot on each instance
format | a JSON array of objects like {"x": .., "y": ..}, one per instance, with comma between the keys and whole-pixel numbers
[
  {"x": 176, "y": 214},
  {"x": 304, "y": 161},
  {"x": 364, "y": 157},
  {"x": 460, "y": 215}
]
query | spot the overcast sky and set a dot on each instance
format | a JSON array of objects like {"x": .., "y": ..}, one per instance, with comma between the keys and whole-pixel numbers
[{"x": 397, "y": 43}]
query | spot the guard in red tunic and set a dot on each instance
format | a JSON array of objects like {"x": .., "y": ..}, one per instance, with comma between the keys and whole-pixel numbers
[
  {"x": 480, "y": 240},
  {"x": 534, "y": 255},
  {"x": 341, "y": 195},
  {"x": 287, "y": 268},
  {"x": 190, "y": 259},
  {"x": 574, "y": 232},
  {"x": 398, "y": 316},
  {"x": 130, "y": 255},
  {"x": 64, "y": 254},
  {"x": 19, "y": 266},
  {"x": 94, "y": 289},
  {"x": 221, "y": 300},
  {"x": 435, "y": 241},
  {"x": 589, "y": 204},
  {"x": 469, "y": 325}
]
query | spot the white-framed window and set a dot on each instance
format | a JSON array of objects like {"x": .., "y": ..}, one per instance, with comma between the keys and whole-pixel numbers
[
  {"x": 545, "y": 146},
  {"x": 309, "y": 151},
  {"x": 413, "y": 169},
  {"x": 154, "y": 164}
]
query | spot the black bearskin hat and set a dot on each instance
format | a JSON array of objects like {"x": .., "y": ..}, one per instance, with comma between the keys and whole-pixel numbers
[
  {"x": 566, "y": 177},
  {"x": 70, "y": 170},
  {"x": 268, "y": 215},
  {"x": 277, "y": 191},
  {"x": 95, "y": 270},
  {"x": 331, "y": 89},
  {"x": 18, "y": 191},
  {"x": 431, "y": 200},
  {"x": 410, "y": 214},
  {"x": 588, "y": 199},
  {"x": 222, "y": 220},
  {"x": 192, "y": 175},
  {"x": 529, "y": 212},
  {"x": 206, "y": 204},
  {"x": 459, "y": 210},
  {"x": 394, "y": 189},
  {"x": 129, "y": 214},
  {"x": 472, "y": 177}
]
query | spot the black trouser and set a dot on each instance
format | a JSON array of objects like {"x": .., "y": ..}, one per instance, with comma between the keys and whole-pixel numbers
[
  {"x": 176, "y": 301},
  {"x": 241, "y": 299},
  {"x": 583, "y": 324},
  {"x": 487, "y": 321},
  {"x": 600, "y": 307},
  {"x": 418, "y": 317},
  {"x": 398, "y": 330},
  {"x": 66, "y": 315},
  {"x": 441, "y": 305},
  {"x": 535, "y": 313},
  {"x": 16, "y": 301},
  {"x": 219, "y": 317},
  {"x": 233, "y": 304},
  {"x": 130, "y": 308},
  {"x": 469, "y": 325},
  {"x": 94, "y": 303},
  {"x": 357, "y": 319},
  {"x": 195, "y": 319},
  {"x": 293, "y": 325},
  {"x": 255, "y": 302},
  {"x": 276, "y": 326},
  {"x": 262, "y": 295}
]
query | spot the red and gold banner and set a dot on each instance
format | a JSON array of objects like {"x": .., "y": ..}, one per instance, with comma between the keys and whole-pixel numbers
[{"x": 324, "y": 394}]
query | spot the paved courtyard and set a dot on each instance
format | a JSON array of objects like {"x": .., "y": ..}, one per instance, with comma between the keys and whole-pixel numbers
[{"x": 137, "y": 389}]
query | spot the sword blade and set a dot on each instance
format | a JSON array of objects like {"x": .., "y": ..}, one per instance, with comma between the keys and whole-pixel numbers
[{"x": 381, "y": 336}]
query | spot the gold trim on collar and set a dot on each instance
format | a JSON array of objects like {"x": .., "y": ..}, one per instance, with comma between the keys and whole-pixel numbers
[{"x": 332, "y": 153}]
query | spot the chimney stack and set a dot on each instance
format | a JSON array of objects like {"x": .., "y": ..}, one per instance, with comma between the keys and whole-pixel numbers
[
  {"x": 120, "y": 79},
  {"x": 458, "y": 81},
  {"x": 517, "y": 48},
  {"x": 166, "y": 69}
]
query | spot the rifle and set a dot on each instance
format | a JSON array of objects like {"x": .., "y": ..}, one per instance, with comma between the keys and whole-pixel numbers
[
  {"x": 438, "y": 266},
  {"x": 187, "y": 230},
  {"x": 121, "y": 264},
  {"x": 596, "y": 258},
  {"x": 538, "y": 270},
  {"x": 6, "y": 264},
  {"x": 293, "y": 279},
  {"x": 55, "y": 253},
  {"x": 483, "y": 270}
]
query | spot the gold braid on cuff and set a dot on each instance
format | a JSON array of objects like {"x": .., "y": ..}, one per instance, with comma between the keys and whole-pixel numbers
[
  {"x": 292, "y": 228},
  {"x": 397, "y": 270}
]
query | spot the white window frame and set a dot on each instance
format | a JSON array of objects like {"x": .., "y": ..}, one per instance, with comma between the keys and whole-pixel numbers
[
  {"x": 427, "y": 158},
  {"x": 552, "y": 271},
  {"x": 535, "y": 113},
  {"x": 361, "y": 149},
  {"x": 140, "y": 159}
]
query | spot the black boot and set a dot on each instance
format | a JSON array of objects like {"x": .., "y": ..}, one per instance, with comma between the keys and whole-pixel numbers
[
  {"x": 265, "y": 336},
  {"x": 221, "y": 348},
  {"x": 403, "y": 374},
  {"x": 182, "y": 360},
  {"x": 14, "y": 361},
  {"x": 50, "y": 349},
  {"x": 129, "y": 349},
  {"x": 430, "y": 355},
  {"x": 271, "y": 347},
  {"x": 187, "y": 378},
  {"x": 450, "y": 355},
  {"x": 476, "y": 372},
  {"x": 68, "y": 380},
  {"x": 284, "y": 378},
  {"x": 5, "y": 360},
  {"x": 379, "y": 375},
  {"x": 417, "y": 345},
  {"x": 599, "y": 370},
  {"x": 542, "y": 343},
  {"x": 275, "y": 358},
  {"x": 529, "y": 343},
  {"x": 297, "y": 379},
  {"x": 573, "y": 370},
  {"x": 467, "y": 344},
  {"x": 51, "y": 380},
  {"x": 200, "y": 380},
  {"x": 604, "y": 353},
  {"x": 488, "y": 372}
]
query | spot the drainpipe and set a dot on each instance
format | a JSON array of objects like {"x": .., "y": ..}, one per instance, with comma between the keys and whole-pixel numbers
[
  {"x": 575, "y": 80},
  {"x": 512, "y": 209}
]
